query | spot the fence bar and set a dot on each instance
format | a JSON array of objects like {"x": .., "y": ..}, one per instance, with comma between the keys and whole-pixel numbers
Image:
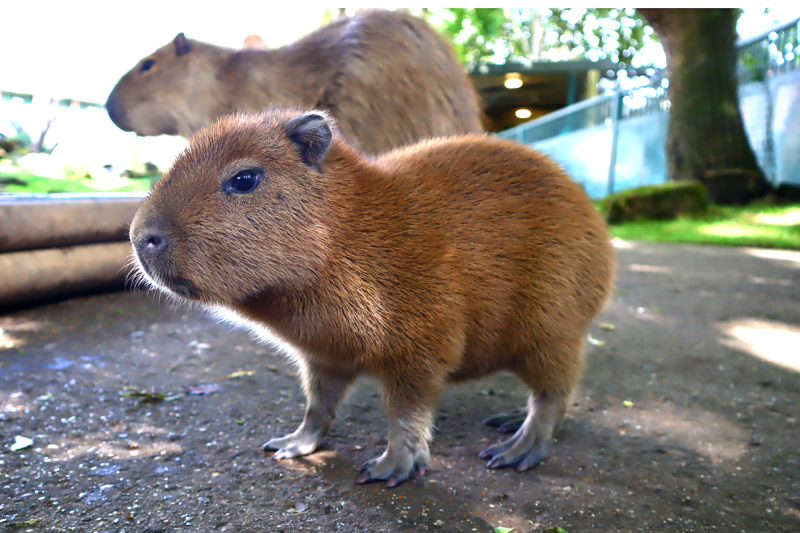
[{"x": 616, "y": 116}]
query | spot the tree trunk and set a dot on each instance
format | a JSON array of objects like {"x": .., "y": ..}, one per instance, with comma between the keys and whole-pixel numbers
[{"x": 706, "y": 140}]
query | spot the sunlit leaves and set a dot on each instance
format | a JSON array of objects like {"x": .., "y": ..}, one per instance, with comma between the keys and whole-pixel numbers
[{"x": 497, "y": 35}]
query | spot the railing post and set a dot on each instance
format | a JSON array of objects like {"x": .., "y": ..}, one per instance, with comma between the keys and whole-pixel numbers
[{"x": 616, "y": 115}]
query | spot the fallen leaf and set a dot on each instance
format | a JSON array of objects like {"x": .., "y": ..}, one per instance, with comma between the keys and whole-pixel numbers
[
  {"x": 272, "y": 368},
  {"x": 239, "y": 374},
  {"x": 20, "y": 443},
  {"x": 152, "y": 396},
  {"x": 13, "y": 525},
  {"x": 627, "y": 403},
  {"x": 556, "y": 529},
  {"x": 500, "y": 529},
  {"x": 608, "y": 326},
  {"x": 596, "y": 342}
]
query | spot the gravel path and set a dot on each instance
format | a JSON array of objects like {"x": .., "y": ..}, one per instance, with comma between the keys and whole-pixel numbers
[{"x": 687, "y": 419}]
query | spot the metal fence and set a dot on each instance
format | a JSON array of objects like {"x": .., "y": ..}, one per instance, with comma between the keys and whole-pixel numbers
[
  {"x": 622, "y": 135},
  {"x": 770, "y": 53}
]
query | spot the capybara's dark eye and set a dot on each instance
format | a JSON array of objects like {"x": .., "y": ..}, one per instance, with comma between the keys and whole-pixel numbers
[
  {"x": 147, "y": 65},
  {"x": 243, "y": 182}
]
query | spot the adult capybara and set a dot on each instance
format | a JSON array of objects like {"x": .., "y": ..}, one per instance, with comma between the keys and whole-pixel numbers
[
  {"x": 433, "y": 263},
  {"x": 387, "y": 77}
]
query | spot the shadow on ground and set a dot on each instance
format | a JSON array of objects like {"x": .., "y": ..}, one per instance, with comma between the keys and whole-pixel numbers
[{"x": 687, "y": 419}]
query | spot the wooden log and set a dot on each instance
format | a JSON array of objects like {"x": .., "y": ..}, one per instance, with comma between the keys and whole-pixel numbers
[
  {"x": 34, "y": 275},
  {"x": 31, "y": 223}
]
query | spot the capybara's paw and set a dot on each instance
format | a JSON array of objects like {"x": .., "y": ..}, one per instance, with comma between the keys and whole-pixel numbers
[
  {"x": 514, "y": 453},
  {"x": 508, "y": 422},
  {"x": 531, "y": 443},
  {"x": 296, "y": 444},
  {"x": 526, "y": 449},
  {"x": 394, "y": 468}
]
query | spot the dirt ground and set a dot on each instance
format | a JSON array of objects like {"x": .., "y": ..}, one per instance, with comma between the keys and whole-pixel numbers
[{"x": 687, "y": 419}]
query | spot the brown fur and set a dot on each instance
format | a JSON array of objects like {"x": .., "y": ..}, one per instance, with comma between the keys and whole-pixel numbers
[
  {"x": 387, "y": 78},
  {"x": 446, "y": 260}
]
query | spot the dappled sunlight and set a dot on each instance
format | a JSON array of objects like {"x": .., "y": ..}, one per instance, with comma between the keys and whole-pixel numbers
[
  {"x": 773, "y": 342},
  {"x": 9, "y": 342},
  {"x": 10, "y": 328},
  {"x": 137, "y": 442},
  {"x": 451, "y": 476},
  {"x": 495, "y": 513},
  {"x": 787, "y": 258},
  {"x": 653, "y": 269},
  {"x": 732, "y": 229},
  {"x": 308, "y": 465},
  {"x": 20, "y": 324},
  {"x": 788, "y": 218},
  {"x": 769, "y": 281},
  {"x": 706, "y": 433},
  {"x": 622, "y": 244},
  {"x": 98, "y": 445}
]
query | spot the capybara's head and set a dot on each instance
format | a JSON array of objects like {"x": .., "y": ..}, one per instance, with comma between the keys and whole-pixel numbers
[
  {"x": 172, "y": 91},
  {"x": 242, "y": 210}
]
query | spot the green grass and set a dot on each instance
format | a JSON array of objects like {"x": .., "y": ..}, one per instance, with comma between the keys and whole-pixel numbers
[
  {"x": 759, "y": 225},
  {"x": 39, "y": 184}
]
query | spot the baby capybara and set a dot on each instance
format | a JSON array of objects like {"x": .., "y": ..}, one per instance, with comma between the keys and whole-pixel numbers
[{"x": 442, "y": 261}]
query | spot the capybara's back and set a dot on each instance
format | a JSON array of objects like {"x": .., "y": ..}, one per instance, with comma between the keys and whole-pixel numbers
[
  {"x": 533, "y": 255},
  {"x": 387, "y": 77}
]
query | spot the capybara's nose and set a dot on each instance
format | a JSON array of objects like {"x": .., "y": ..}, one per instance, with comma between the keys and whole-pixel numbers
[
  {"x": 152, "y": 244},
  {"x": 116, "y": 112}
]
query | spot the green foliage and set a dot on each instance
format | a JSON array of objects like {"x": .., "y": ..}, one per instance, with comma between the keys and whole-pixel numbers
[
  {"x": 656, "y": 202},
  {"x": 753, "y": 63},
  {"x": 759, "y": 225},
  {"x": 473, "y": 31},
  {"x": 601, "y": 32},
  {"x": 496, "y": 35},
  {"x": 29, "y": 183}
]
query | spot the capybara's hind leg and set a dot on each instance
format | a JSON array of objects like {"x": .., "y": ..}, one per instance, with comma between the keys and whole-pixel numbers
[
  {"x": 531, "y": 443},
  {"x": 551, "y": 376},
  {"x": 507, "y": 422},
  {"x": 409, "y": 410}
]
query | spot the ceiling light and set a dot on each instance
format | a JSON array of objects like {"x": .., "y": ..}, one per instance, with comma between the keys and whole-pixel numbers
[
  {"x": 513, "y": 83},
  {"x": 523, "y": 113}
]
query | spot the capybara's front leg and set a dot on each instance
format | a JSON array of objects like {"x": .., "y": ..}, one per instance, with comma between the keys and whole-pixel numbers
[{"x": 324, "y": 387}]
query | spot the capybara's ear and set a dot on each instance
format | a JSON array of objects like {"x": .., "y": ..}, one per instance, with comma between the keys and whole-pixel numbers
[
  {"x": 312, "y": 135},
  {"x": 181, "y": 45}
]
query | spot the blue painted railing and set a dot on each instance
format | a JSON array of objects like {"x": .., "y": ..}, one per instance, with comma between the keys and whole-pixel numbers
[{"x": 616, "y": 141}]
